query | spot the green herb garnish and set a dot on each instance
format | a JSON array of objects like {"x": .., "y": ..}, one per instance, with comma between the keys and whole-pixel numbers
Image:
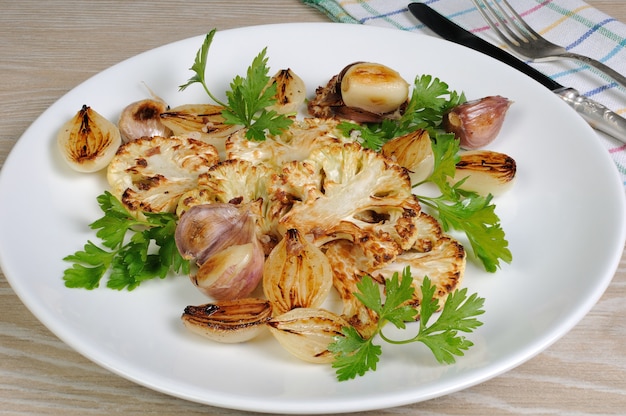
[
  {"x": 130, "y": 260},
  {"x": 248, "y": 97},
  {"x": 355, "y": 355},
  {"x": 430, "y": 99},
  {"x": 465, "y": 211}
]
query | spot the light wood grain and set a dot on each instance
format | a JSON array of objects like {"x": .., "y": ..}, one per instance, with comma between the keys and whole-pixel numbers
[{"x": 47, "y": 48}]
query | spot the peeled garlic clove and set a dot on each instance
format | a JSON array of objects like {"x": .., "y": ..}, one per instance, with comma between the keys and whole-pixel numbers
[
  {"x": 88, "y": 141},
  {"x": 485, "y": 172},
  {"x": 143, "y": 119},
  {"x": 477, "y": 123},
  {"x": 373, "y": 87},
  {"x": 413, "y": 152},
  {"x": 206, "y": 229},
  {"x": 229, "y": 321},
  {"x": 296, "y": 274},
  {"x": 290, "y": 92},
  {"x": 307, "y": 332},
  {"x": 232, "y": 273}
]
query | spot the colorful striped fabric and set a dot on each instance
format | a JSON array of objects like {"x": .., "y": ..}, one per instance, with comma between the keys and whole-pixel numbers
[{"x": 571, "y": 23}]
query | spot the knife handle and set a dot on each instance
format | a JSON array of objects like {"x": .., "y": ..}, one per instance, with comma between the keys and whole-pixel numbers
[{"x": 598, "y": 116}]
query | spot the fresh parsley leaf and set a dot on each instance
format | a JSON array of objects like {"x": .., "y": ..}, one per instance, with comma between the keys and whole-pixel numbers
[
  {"x": 199, "y": 67},
  {"x": 458, "y": 314},
  {"x": 129, "y": 260},
  {"x": 248, "y": 97},
  {"x": 430, "y": 99},
  {"x": 355, "y": 355},
  {"x": 465, "y": 211},
  {"x": 475, "y": 216}
]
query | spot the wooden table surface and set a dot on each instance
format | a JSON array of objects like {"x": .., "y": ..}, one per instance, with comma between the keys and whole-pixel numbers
[{"x": 48, "y": 47}]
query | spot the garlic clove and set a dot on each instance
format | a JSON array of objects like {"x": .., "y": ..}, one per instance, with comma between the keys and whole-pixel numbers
[
  {"x": 230, "y": 321},
  {"x": 204, "y": 230},
  {"x": 477, "y": 123},
  {"x": 232, "y": 273},
  {"x": 485, "y": 172},
  {"x": 307, "y": 332},
  {"x": 373, "y": 87},
  {"x": 290, "y": 92},
  {"x": 143, "y": 119},
  {"x": 414, "y": 152},
  {"x": 88, "y": 141},
  {"x": 296, "y": 274}
]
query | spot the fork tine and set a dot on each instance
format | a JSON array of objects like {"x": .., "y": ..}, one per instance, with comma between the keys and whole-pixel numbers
[
  {"x": 490, "y": 14},
  {"x": 519, "y": 21}
]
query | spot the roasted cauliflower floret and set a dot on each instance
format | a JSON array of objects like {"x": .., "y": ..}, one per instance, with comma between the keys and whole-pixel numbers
[
  {"x": 361, "y": 196},
  {"x": 444, "y": 264},
  {"x": 294, "y": 144},
  {"x": 238, "y": 182},
  {"x": 150, "y": 174}
]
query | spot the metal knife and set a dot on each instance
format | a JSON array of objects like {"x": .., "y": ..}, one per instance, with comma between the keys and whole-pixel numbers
[{"x": 597, "y": 115}]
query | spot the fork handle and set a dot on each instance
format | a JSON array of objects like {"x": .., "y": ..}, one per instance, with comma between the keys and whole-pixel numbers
[
  {"x": 621, "y": 79},
  {"x": 597, "y": 115}
]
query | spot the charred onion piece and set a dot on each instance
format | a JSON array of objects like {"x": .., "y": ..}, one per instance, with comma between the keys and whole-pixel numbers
[
  {"x": 230, "y": 321},
  {"x": 88, "y": 141},
  {"x": 485, "y": 172},
  {"x": 296, "y": 274},
  {"x": 307, "y": 332},
  {"x": 414, "y": 152},
  {"x": 290, "y": 92}
]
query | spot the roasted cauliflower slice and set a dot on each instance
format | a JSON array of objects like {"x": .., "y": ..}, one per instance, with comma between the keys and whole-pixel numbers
[
  {"x": 294, "y": 144},
  {"x": 444, "y": 265},
  {"x": 361, "y": 196},
  {"x": 346, "y": 260},
  {"x": 150, "y": 174},
  {"x": 238, "y": 182}
]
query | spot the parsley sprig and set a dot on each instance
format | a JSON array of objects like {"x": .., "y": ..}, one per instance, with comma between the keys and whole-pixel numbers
[
  {"x": 465, "y": 211},
  {"x": 248, "y": 98},
  {"x": 430, "y": 99},
  {"x": 131, "y": 261},
  {"x": 355, "y": 355}
]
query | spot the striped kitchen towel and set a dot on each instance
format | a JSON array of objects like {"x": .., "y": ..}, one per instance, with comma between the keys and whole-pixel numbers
[{"x": 571, "y": 23}]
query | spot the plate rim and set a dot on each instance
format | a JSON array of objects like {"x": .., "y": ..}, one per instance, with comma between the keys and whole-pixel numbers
[{"x": 348, "y": 407}]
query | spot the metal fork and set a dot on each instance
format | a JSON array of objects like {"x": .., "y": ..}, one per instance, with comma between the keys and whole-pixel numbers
[{"x": 521, "y": 38}]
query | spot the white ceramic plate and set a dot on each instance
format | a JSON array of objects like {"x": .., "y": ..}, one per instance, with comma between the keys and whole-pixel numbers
[{"x": 564, "y": 220}]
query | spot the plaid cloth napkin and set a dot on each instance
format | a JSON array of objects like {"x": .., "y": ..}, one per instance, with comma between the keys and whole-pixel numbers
[{"x": 571, "y": 23}]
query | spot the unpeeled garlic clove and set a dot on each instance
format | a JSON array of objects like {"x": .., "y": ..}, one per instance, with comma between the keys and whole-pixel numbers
[
  {"x": 414, "y": 152},
  {"x": 143, "y": 119},
  {"x": 204, "y": 230},
  {"x": 88, "y": 141},
  {"x": 477, "y": 123},
  {"x": 373, "y": 87},
  {"x": 232, "y": 273},
  {"x": 222, "y": 239},
  {"x": 229, "y": 321},
  {"x": 307, "y": 332},
  {"x": 296, "y": 274},
  {"x": 485, "y": 172},
  {"x": 290, "y": 92}
]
